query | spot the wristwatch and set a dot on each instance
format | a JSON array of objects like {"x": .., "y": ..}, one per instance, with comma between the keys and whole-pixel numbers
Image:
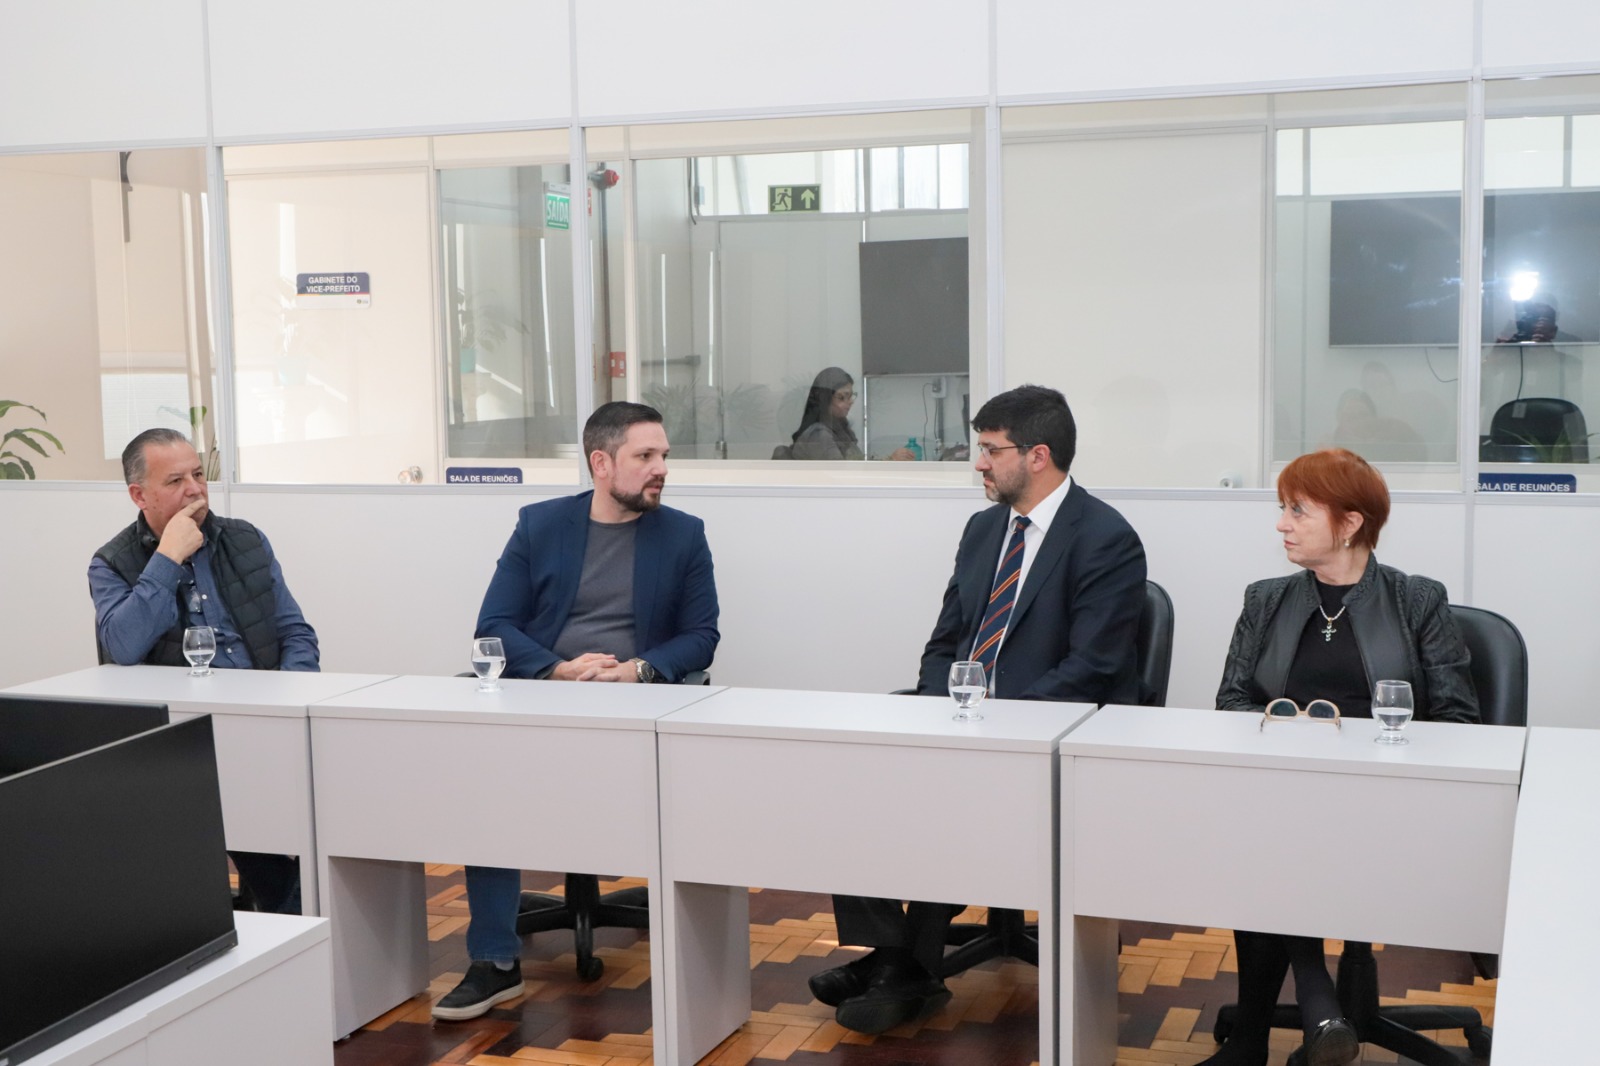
[{"x": 646, "y": 674}]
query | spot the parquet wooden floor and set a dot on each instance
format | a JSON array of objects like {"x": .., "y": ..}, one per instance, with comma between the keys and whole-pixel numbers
[{"x": 1171, "y": 982}]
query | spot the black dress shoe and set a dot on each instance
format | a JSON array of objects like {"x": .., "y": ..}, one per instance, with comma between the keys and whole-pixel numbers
[
  {"x": 840, "y": 983},
  {"x": 1332, "y": 1043},
  {"x": 898, "y": 992}
]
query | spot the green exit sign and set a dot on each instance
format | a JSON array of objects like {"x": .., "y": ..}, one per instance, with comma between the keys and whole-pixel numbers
[
  {"x": 788, "y": 199},
  {"x": 557, "y": 205}
]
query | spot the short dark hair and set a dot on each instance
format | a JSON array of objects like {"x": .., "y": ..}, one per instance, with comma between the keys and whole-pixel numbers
[
  {"x": 133, "y": 468},
  {"x": 609, "y": 424},
  {"x": 1030, "y": 415}
]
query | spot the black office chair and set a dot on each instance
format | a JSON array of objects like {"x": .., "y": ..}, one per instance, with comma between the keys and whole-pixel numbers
[
  {"x": 1004, "y": 932},
  {"x": 1539, "y": 429},
  {"x": 582, "y": 908},
  {"x": 1500, "y": 677}
]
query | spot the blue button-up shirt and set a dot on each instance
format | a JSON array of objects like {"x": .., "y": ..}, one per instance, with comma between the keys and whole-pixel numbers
[{"x": 129, "y": 621}]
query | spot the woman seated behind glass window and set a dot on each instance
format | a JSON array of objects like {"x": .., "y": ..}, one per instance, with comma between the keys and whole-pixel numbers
[
  {"x": 1330, "y": 632},
  {"x": 825, "y": 431}
]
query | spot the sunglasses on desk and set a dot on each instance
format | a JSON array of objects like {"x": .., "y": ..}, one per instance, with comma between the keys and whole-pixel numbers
[{"x": 1284, "y": 709}]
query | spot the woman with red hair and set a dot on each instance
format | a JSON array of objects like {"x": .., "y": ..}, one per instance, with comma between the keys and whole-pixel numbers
[{"x": 1329, "y": 632}]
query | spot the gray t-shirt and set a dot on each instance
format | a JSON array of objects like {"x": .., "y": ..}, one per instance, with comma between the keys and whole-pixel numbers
[{"x": 602, "y": 614}]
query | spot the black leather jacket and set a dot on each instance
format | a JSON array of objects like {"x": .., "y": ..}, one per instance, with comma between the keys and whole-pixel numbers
[{"x": 1403, "y": 629}]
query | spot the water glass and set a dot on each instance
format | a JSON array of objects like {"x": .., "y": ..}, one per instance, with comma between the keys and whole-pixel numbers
[
  {"x": 968, "y": 686},
  {"x": 199, "y": 647},
  {"x": 1392, "y": 707},
  {"x": 488, "y": 662}
]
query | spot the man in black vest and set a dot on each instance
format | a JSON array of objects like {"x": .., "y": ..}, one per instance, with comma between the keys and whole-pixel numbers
[{"x": 178, "y": 565}]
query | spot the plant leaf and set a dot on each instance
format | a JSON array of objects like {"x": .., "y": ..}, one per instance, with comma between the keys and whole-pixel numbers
[
  {"x": 12, "y": 472},
  {"x": 6, "y": 405},
  {"x": 22, "y": 436},
  {"x": 51, "y": 437}
]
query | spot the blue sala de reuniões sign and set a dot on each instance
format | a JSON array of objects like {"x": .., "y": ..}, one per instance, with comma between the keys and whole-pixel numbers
[
  {"x": 1543, "y": 484},
  {"x": 483, "y": 475}
]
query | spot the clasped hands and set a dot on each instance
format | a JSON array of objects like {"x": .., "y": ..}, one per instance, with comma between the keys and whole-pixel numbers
[{"x": 595, "y": 666}]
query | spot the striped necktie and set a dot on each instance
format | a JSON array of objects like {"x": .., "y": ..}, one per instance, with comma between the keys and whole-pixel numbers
[{"x": 1001, "y": 600}]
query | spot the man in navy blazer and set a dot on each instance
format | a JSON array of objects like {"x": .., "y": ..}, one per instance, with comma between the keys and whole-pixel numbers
[
  {"x": 604, "y": 586},
  {"x": 1047, "y": 591}
]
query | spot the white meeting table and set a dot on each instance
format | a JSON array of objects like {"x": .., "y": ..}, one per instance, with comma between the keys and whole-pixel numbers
[
  {"x": 537, "y": 776},
  {"x": 259, "y": 720},
  {"x": 853, "y": 793},
  {"x": 1547, "y": 977},
  {"x": 1200, "y": 817}
]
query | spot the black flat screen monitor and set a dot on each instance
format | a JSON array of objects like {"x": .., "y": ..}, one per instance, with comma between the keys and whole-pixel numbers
[
  {"x": 1395, "y": 266},
  {"x": 35, "y": 730},
  {"x": 113, "y": 881},
  {"x": 914, "y": 306}
]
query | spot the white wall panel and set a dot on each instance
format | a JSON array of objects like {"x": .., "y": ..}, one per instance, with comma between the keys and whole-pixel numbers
[
  {"x": 646, "y": 57},
  {"x": 1536, "y": 33},
  {"x": 1048, "y": 47},
  {"x": 298, "y": 66},
  {"x": 1133, "y": 284},
  {"x": 86, "y": 72},
  {"x": 47, "y": 537},
  {"x": 1538, "y": 566},
  {"x": 391, "y": 582}
]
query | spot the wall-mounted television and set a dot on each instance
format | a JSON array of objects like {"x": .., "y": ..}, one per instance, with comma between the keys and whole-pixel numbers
[
  {"x": 1395, "y": 266},
  {"x": 914, "y": 306}
]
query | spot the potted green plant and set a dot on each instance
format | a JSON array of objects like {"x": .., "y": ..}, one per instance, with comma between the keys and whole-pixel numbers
[{"x": 13, "y": 465}]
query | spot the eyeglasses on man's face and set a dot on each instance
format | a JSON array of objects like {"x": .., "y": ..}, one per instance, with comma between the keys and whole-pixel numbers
[
  {"x": 988, "y": 450},
  {"x": 1284, "y": 709}
]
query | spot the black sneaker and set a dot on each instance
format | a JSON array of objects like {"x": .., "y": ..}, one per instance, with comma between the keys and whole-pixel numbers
[{"x": 483, "y": 987}]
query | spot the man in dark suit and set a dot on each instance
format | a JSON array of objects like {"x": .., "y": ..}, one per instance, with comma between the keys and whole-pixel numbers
[
  {"x": 1046, "y": 594},
  {"x": 603, "y": 586}
]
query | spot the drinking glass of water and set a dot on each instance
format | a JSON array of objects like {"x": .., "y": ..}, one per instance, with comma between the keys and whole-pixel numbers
[
  {"x": 488, "y": 661},
  {"x": 199, "y": 647},
  {"x": 968, "y": 686},
  {"x": 1391, "y": 706}
]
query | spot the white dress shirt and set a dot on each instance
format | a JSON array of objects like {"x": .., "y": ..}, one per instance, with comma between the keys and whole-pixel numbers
[{"x": 1039, "y": 519}]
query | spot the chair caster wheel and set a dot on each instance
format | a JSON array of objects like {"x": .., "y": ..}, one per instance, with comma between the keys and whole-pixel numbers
[
  {"x": 1479, "y": 1039},
  {"x": 1221, "y": 1031},
  {"x": 591, "y": 968}
]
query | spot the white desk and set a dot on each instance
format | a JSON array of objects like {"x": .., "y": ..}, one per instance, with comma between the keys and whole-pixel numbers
[
  {"x": 1547, "y": 977},
  {"x": 262, "y": 736},
  {"x": 1202, "y": 818},
  {"x": 267, "y": 1002},
  {"x": 852, "y": 793},
  {"x": 542, "y": 775}
]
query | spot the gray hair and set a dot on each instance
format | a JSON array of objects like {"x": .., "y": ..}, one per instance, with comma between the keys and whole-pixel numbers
[{"x": 133, "y": 468}]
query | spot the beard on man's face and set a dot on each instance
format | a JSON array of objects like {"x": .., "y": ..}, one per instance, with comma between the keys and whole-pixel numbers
[
  {"x": 640, "y": 502},
  {"x": 1007, "y": 491}
]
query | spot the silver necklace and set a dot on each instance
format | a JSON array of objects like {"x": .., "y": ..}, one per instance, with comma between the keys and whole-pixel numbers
[{"x": 1328, "y": 631}]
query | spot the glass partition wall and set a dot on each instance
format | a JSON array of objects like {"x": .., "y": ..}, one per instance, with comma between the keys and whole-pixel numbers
[
  {"x": 1368, "y": 279},
  {"x": 104, "y": 309},
  {"x": 1538, "y": 401},
  {"x": 794, "y": 291},
  {"x": 1222, "y": 284},
  {"x": 1218, "y": 284},
  {"x": 403, "y": 309}
]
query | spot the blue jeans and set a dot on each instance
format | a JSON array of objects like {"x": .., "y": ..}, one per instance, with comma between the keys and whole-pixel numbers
[{"x": 492, "y": 898}]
